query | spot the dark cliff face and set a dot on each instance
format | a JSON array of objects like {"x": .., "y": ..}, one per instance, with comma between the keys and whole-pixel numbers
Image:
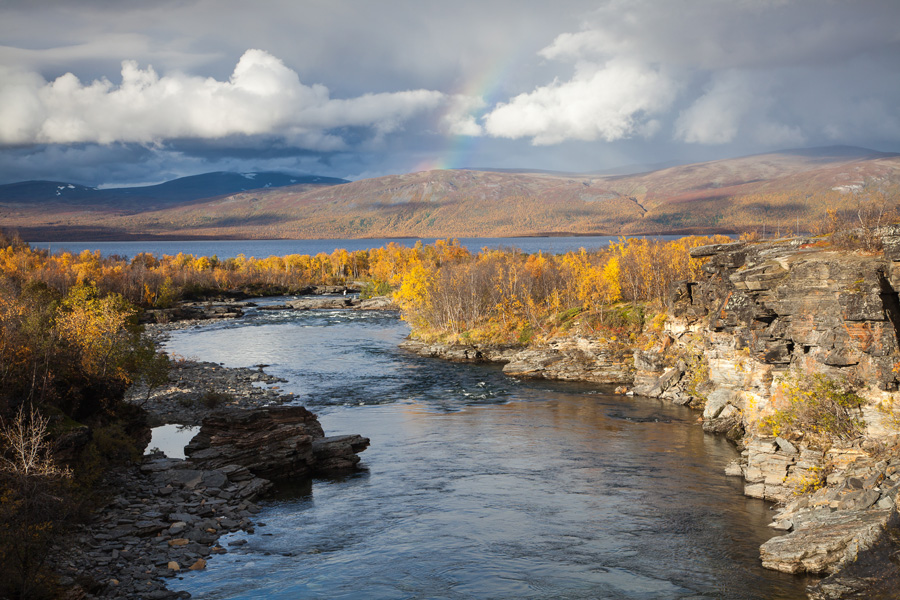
[{"x": 792, "y": 304}]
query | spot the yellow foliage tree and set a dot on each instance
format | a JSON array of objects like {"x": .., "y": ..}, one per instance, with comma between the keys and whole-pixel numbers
[{"x": 96, "y": 327}]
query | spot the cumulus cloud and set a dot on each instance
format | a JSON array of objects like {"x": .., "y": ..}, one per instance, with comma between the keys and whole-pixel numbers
[
  {"x": 715, "y": 117},
  {"x": 460, "y": 118},
  {"x": 262, "y": 96},
  {"x": 712, "y": 35},
  {"x": 609, "y": 102},
  {"x": 708, "y": 72}
]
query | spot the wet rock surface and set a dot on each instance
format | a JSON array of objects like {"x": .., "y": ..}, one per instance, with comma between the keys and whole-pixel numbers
[{"x": 196, "y": 311}]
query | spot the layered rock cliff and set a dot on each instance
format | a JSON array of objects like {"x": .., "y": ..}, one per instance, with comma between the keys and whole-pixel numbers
[
  {"x": 766, "y": 315},
  {"x": 274, "y": 443}
]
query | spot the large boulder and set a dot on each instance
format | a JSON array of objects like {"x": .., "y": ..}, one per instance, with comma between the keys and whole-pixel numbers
[{"x": 273, "y": 443}]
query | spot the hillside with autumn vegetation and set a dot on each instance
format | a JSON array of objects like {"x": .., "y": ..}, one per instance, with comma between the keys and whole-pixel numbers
[{"x": 777, "y": 192}]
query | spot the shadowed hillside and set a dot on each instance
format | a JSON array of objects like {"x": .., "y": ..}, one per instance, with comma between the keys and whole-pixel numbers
[
  {"x": 784, "y": 190},
  {"x": 141, "y": 198}
]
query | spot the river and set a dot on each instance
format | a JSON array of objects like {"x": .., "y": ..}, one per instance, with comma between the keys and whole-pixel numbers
[{"x": 480, "y": 486}]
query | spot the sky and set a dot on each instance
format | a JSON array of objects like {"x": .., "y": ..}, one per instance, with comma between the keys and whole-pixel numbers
[{"x": 123, "y": 92}]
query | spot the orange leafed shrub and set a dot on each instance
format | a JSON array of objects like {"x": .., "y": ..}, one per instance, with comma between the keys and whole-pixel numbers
[{"x": 510, "y": 297}]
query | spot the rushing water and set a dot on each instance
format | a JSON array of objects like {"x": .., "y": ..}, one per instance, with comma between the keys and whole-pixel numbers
[
  {"x": 480, "y": 486},
  {"x": 263, "y": 248}
]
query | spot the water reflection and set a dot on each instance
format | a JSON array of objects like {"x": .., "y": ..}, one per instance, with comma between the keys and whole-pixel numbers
[
  {"x": 478, "y": 486},
  {"x": 171, "y": 439}
]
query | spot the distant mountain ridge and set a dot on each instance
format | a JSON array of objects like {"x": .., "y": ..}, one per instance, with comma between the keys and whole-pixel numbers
[
  {"x": 775, "y": 191},
  {"x": 169, "y": 193},
  {"x": 837, "y": 151}
]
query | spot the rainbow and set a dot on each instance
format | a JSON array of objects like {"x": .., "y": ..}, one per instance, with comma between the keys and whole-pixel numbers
[{"x": 459, "y": 149}]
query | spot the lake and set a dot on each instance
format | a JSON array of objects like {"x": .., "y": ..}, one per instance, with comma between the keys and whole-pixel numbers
[{"x": 263, "y": 248}]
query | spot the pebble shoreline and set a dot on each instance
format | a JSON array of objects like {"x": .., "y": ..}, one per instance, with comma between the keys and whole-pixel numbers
[{"x": 166, "y": 515}]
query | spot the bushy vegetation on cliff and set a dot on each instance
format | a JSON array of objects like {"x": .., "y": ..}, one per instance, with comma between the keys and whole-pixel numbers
[{"x": 817, "y": 408}]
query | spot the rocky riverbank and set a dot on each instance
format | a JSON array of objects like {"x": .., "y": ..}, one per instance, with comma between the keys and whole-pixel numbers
[
  {"x": 166, "y": 516},
  {"x": 330, "y": 297},
  {"x": 761, "y": 313},
  {"x": 195, "y": 388},
  {"x": 566, "y": 359},
  {"x": 767, "y": 313}
]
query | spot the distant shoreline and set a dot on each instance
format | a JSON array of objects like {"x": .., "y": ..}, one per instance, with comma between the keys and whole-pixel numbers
[{"x": 66, "y": 234}]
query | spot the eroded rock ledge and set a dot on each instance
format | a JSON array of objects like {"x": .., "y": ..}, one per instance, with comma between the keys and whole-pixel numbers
[
  {"x": 568, "y": 359},
  {"x": 761, "y": 311},
  {"x": 274, "y": 443}
]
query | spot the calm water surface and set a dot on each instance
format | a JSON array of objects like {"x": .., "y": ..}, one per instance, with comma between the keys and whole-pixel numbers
[
  {"x": 480, "y": 486},
  {"x": 263, "y": 248}
]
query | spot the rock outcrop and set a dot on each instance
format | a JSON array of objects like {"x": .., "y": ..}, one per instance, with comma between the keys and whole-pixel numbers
[
  {"x": 762, "y": 311},
  {"x": 765, "y": 309},
  {"x": 575, "y": 359},
  {"x": 335, "y": 302},
  {"x": 196, "y": 311},
  {"x": 569, "y": 359},
  {"x": 461, "y": 352},
  {"x": 273, "y": 443},
  {"x": 319, "y": 303}
]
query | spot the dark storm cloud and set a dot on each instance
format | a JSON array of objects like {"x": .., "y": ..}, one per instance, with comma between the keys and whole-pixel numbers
[
  {"x": 763, "y": 73},
  {"x": 352, "y": 88},
  {"x": 117, "y": 164}
]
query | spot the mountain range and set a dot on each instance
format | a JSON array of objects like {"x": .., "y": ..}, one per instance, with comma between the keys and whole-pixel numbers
[
  {"x": 149, "y": 197},
  {"x": 781, "y": 190}
]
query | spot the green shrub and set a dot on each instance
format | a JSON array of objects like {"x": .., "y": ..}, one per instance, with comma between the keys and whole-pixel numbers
[
  {"x": 817, "y": 408},
  {"x": 625, "y": 317},
  {"x": 373, "y": 289},
  {"x": 566, "y": 316}
]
